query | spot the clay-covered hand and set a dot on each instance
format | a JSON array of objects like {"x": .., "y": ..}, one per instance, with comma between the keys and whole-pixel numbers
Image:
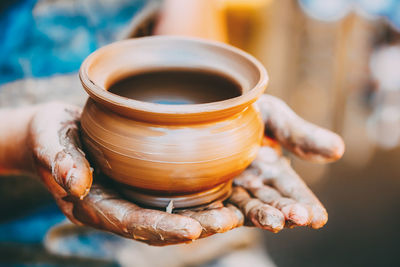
[
  {"x": 269, "y": 192},
  {"x": 61, "y": 164}
]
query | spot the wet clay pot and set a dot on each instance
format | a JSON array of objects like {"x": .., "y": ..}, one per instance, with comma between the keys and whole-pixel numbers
[{"x": 156, "y": 152}]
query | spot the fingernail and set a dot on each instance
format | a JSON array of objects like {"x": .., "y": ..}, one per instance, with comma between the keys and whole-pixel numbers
[
  {"x": 270, "y": 219},
  {"x": 76, "y": 183},
  {"x": 297, "y": 214},
  {"x": 320, "y": 217}
]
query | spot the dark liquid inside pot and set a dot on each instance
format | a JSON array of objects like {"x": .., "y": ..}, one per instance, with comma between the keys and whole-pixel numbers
[{"x": 177, "y": 87}]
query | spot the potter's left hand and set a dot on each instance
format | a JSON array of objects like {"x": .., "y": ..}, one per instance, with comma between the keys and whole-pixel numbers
[{"x": 269, "y": 192}]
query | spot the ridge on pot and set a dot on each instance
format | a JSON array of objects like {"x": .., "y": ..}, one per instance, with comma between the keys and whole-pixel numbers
[{"x": 158, "y": 153}]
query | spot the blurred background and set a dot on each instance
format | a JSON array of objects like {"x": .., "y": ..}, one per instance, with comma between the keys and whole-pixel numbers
[{"x": 335, "y": 62}]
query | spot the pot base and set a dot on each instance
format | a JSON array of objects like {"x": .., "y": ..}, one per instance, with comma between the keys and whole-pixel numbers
[{"x": 220, "y": 192}]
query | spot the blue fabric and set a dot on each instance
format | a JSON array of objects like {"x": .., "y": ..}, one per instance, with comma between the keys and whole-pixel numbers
[
  {"x": 39, "y": 45},
  {"x": 32, "y": 227}
]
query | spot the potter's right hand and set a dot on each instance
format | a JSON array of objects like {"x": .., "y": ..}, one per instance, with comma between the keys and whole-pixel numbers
[{"x": 62, "y": 166}]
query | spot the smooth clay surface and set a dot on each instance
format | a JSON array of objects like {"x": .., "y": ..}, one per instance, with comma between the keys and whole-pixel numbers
[{"x": 157, "y": 152}]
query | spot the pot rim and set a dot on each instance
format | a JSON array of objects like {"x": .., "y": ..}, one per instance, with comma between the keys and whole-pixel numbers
[{"x": 158, "y": 112}]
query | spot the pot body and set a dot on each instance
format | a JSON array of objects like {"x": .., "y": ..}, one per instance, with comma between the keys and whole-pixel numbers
[
  {"x": 168, "y": 159},
  {"x": 158, "y": 153}
]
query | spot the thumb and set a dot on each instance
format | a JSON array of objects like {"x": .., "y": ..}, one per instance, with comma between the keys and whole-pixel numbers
[
  {"x": 303, "y": 138},
  {"x": 55, "y": 144}
]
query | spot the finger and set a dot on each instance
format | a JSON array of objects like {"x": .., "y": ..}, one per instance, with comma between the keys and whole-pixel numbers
[
  {"x": 280, "y": 175},
  {"x": 104, "y": 210},
  {"x": 217, "y": 220},
  {"x": 256, "y": 212},
  {"x": 296, "y": 214},
  {"x": 55, "y": 142},
  {"x": 238, "y": 213},
  {"x": 304, "y": 139}
]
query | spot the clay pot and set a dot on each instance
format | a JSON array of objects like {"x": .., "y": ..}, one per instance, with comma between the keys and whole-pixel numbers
[{"x": 157, "y": 153}]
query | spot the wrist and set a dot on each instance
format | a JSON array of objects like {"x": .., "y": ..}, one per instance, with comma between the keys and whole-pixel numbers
[{"x": 15, "y": 150}]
